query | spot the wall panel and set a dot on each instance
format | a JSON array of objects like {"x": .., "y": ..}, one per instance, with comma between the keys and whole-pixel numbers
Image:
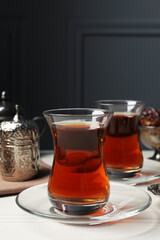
[{"x": 113, "y": 60}]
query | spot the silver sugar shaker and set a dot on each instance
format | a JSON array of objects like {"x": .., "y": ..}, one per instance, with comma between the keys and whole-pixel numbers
[{"x": 20, "y": 149}]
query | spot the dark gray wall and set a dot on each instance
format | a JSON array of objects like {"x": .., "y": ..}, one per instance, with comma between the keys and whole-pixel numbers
[{"x": 67, "y": 53}]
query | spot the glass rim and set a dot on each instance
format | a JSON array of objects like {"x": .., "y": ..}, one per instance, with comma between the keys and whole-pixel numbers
[
  {"x": 120, "y": 102},
  {"x": 57, "y": 112}
]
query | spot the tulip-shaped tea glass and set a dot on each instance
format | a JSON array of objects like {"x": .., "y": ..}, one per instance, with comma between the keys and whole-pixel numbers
[
  {"x": 78, "y": 183},
  {"x": 122, "y": 151}
]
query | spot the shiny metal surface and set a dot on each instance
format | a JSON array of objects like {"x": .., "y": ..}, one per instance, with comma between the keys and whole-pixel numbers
[{"x": 19, "y": 149}]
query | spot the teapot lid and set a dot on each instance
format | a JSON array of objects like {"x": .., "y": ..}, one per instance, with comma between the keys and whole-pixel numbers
[
  {"x": 19, "y": 127},
  {"x": 7, "y": 109}
]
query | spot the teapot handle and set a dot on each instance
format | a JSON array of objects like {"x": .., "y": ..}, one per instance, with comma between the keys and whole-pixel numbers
[{"x": 41, "y": 122}]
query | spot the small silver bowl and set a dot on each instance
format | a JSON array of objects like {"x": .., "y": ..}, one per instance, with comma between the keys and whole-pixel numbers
[{"x": 150, "y": 137}]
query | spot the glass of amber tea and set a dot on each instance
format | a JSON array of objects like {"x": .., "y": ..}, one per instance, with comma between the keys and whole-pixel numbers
[
  {"x": 122, "y": 151},
  {"x": 78, "y": 183}
]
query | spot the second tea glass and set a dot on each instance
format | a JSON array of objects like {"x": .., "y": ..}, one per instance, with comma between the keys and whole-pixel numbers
[
  {"x": 78, "y": 183},
  {"x": 122, "y": 151}
]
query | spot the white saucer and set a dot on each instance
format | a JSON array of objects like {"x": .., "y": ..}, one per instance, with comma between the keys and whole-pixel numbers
[{"x": 125, "y": 201}]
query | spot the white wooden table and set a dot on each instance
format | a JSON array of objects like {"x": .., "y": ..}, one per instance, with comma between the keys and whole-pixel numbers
[{"x": 18, "y": 224}]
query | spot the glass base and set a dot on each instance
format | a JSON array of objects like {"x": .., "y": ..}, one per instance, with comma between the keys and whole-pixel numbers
[
  {"x": 119, "y": 173},
  {"x": 75, "y": 208}
]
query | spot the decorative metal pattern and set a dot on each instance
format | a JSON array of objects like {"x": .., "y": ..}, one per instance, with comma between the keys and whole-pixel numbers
[{"x": 20, "y": 150}]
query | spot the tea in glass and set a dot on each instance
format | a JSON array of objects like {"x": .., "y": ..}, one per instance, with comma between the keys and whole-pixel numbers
[
  {"x": 78, "y": 182},
  {"x": 122, "y": 151}
]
